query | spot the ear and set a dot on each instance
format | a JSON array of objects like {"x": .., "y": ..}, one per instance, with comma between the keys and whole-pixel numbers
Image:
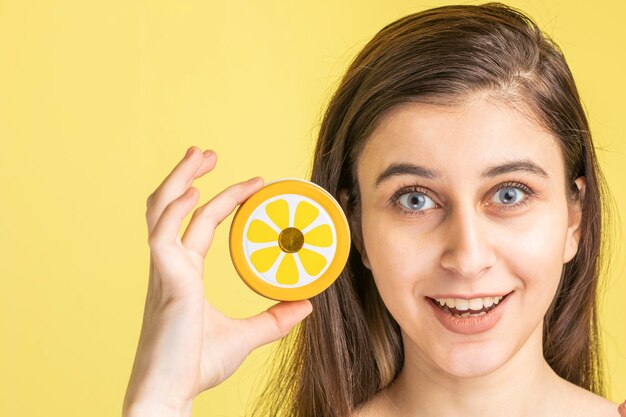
[
  {"x": 574, "y": 219},
  {"x": 355, "y": 227}
]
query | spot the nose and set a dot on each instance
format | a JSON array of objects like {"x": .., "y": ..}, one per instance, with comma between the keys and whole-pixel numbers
[{"x": 468, "y": 250}]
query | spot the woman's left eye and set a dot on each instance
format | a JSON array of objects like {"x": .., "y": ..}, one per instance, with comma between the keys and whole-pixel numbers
[
  {"x": 506, "y": 195},
  {"x": 511, "y": 196}
]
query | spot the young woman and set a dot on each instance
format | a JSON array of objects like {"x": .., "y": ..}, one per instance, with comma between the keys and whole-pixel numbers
[{"x": 460, "y": 152}]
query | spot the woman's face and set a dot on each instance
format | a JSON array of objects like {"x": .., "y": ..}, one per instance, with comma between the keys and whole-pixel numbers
[{"x": 466, "y": 203}]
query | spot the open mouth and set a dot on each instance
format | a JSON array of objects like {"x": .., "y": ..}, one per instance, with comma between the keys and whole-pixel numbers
[{"x": 468, "y": 308}]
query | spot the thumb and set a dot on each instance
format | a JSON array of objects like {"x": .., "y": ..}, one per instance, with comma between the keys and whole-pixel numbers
[
  {"x": 275, "y": 322},
  {"x": 622, "y": 409}
]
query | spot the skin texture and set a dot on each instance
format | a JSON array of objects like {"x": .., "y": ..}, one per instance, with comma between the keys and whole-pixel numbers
[{"x": 465, "y": 241}]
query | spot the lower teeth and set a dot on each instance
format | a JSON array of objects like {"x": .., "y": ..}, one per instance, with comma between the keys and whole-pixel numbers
[{"x": 482, "y": 313}]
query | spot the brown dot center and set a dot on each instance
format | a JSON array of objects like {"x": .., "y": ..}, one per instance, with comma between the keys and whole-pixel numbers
[{"x": 291, "y": 240}]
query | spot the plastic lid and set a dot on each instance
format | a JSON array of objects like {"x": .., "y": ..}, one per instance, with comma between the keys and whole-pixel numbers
[{"x": 290, "y": 240}]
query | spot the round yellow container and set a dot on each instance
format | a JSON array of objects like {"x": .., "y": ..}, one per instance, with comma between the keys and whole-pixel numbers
[{"x": 290, "y": 240}]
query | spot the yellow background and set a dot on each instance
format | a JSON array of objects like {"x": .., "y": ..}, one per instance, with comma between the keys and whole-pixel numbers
[{"x": 99, "y": 100}]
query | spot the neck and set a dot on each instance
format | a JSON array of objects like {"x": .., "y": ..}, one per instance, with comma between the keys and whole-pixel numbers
[{"x": 524, "y": 385}]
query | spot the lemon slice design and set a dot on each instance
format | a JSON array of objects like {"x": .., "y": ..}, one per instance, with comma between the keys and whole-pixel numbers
[{"x": 290, "y": 240}]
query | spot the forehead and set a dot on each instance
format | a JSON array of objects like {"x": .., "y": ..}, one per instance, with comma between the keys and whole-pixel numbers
[{"x": 459, "y": 141}]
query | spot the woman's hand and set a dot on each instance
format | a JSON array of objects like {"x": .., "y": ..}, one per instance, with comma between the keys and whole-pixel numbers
[{"x": 186, "y": 346}]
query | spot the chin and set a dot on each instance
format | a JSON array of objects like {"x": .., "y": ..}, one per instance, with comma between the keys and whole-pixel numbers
[{"x": 466, "y": 361}]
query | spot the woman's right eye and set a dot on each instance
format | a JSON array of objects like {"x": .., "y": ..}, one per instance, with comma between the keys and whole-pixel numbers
[{"x": 414, "y": 202}]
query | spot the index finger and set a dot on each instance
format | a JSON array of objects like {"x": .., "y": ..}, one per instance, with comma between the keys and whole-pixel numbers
[{"x": 193, "y": 165}]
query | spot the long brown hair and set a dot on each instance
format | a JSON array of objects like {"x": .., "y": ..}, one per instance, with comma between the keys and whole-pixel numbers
[{"x": 350, "y": 347}]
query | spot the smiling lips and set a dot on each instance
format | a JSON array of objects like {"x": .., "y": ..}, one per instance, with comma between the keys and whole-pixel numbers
[
  {"x": 469, "y": 316},
  {"x": 460, "y": 307}
]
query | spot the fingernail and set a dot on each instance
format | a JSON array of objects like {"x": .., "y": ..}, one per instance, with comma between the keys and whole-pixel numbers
[
  {"x": 189, "y": 151},
  {"x": 253, "y": 180},
  {"x": 208, "y": 153}
]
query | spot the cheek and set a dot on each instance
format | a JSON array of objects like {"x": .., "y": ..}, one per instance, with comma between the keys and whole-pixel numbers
[
  {"x": 533, "y": 254},
  {"x": 398, "y": 258}
]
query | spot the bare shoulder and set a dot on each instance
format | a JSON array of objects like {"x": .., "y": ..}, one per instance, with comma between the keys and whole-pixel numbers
[
  {"x": 588, "y": 404},
  {"x": 575, "y": 401}
]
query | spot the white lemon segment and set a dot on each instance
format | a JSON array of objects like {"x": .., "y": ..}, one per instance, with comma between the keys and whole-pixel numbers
[
  {"x": 320, "y": 236},
  {"x": 260, "y": 232},
  {"x": 312, "y": 261},
  {"x": 263, "y": 259},
  {"x": 288, "y": 270},
  {"x": 278, "y": 212},
  {"x": 305, "y": 214}
]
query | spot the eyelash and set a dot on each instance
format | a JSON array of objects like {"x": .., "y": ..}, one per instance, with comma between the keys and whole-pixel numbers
[{"x": 415, "y": 189}]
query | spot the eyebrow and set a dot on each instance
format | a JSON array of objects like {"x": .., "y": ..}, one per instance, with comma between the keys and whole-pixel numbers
[{"x": 525, "y": 165}]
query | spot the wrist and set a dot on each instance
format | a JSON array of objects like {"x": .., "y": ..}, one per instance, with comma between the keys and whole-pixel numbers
[{"x": 152, "y": 409}]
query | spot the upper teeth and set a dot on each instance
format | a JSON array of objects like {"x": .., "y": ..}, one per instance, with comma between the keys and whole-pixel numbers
[{"x": 473, "y": 304}]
